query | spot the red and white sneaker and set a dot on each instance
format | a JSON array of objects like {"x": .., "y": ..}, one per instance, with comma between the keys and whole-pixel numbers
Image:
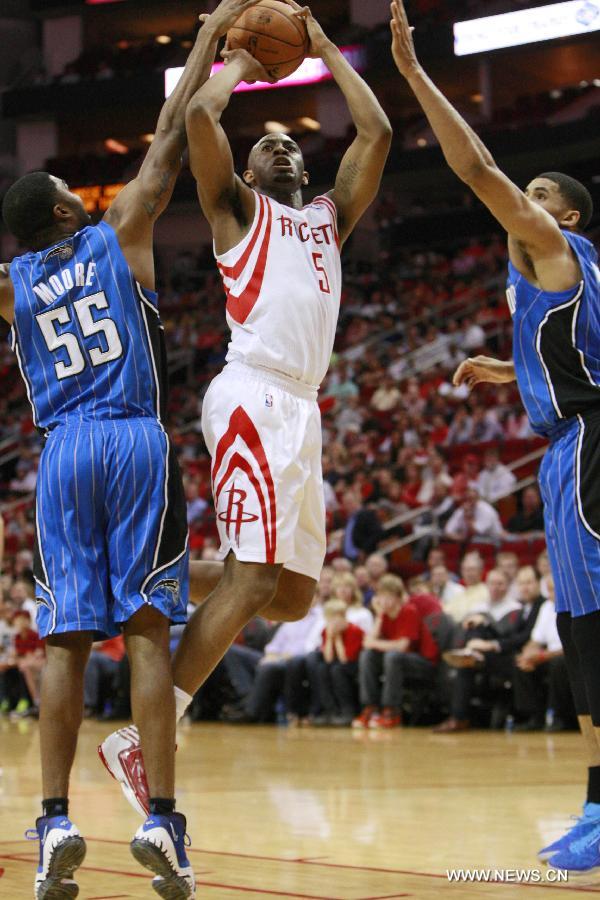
[
  {"x": 389, "y": 718},
  {"x": 363, "y": 720},
  {"x": 121, "y": 754}
]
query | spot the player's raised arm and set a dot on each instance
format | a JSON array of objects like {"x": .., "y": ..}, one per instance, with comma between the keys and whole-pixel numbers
[
  {"x": 226, "y": 201},
  {"x": 142, "y": 201},
  {"x": 469, "y": 158},
  {"x": 359, "y": 175}
]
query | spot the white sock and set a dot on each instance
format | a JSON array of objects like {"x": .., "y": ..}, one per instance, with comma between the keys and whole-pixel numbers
[{"x": 182, "y": 701}]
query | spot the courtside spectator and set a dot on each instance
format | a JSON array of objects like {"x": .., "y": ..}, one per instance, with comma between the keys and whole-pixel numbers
[
  {"x": 334, "y": 674},
  {"x": 508, "y": 562},
  {"x": 29, "y": 659},
  {"x": 540, "y": 680},
  {"x": 21, "y": 595},
  {"x": 443, "y": 586},
  {"x": 345, "y": 588},
  {"x": 400, "y": 648},
  {"x": 542, "y": 565},
  {"x": 282, "y": 671},
  {"x": 490, "y": 651},
  {"x": 475, "y": 592}
]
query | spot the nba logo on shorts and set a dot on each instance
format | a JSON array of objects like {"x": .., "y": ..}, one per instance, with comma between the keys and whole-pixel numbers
[{"x": 269, "y": 401}]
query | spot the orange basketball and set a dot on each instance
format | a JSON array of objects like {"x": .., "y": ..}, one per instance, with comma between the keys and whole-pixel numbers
[{"x": 273, "y": 35}]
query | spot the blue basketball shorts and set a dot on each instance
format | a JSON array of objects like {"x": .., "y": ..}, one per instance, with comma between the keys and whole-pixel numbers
[
  {"x": 111, "y": 528},
  {"x": 570, "y": 485}
]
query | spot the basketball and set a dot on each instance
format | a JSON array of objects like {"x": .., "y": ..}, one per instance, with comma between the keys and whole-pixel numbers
[{"x": 273, "y": 35}]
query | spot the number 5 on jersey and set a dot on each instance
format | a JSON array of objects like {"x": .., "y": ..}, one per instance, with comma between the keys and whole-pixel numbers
[
  {"x": 89, "y": 327},
  {"x": 320, "y": 267}
]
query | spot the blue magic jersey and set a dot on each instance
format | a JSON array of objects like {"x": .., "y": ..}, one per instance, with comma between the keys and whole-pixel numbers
[
  {"x": 556, "y": 343},
  {"x": 88, "y": 338}
]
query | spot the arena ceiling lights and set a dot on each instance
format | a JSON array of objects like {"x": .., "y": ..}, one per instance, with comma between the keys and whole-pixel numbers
[
  {"x": 528, "y": 26},
  {"x": 311, "y": 71}
]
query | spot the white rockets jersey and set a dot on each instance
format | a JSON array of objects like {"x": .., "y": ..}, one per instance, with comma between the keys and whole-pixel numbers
[{"x": 283, "y": 283}]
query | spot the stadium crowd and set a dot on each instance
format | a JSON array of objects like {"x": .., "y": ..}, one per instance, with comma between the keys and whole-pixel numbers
[
  {"x": 419, "y": 483},
  {"x": 451, "y": 650}
]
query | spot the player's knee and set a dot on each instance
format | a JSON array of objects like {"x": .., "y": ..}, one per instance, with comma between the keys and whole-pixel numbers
[
  {"x": 69, "y": 650},
  {"x": 254, "y": 584},
  {"x": 293, "y": 600},
  {"x": 291, "y": 609},
  {"x": 204, "y": 577}
]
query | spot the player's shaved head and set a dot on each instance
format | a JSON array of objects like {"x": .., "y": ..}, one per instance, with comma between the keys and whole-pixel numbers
[
  {"x": 564, "y": 195},
  {"x": 276, "y": 166},
  {"x": 269, "y": 138}
]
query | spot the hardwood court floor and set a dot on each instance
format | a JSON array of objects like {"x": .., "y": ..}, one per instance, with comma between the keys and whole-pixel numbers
[{"x": 316, "y": 814}]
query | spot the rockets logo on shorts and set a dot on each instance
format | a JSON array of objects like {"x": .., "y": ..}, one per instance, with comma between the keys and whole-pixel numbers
[{"x": 235, "y": 513}]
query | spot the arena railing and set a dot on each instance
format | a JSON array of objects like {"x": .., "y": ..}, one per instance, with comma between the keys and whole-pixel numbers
[{"x": 412, "y": 516}]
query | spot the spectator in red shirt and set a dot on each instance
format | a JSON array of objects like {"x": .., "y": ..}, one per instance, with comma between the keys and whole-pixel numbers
[
  {"x": 400, "y": 648},
  {"x": 336, "y": 670},
  {"x": 30, "y": 655}
]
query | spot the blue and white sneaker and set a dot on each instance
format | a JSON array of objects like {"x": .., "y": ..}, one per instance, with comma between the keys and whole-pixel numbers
[
  {"x": 583, "y": 823},
  {"x": 581, "y": 855},
  {"x": 62, "y": 850},
  {"x": 159, "y": 845}
]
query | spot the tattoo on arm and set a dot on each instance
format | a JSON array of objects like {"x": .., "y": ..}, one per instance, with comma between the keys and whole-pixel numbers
[
  {"x": 165, "y": 180},
  {"x": 347, "y": 178}
]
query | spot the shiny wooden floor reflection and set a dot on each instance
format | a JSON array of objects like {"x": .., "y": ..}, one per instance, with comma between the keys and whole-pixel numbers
[{"x": 316, "y": 814}]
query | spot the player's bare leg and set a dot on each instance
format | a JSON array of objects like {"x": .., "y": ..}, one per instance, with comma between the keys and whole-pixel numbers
[
  {"x": 159, "y": 844},
  {"x": 291, "y": 602},
  {"x": 591, "y": 737},
  {"x": 244, "y": 590},
  {"x": 152, "y": 700},
  {"x": 204, "y": 577},
  {"x": 62, "y": 849},
  {"x": 61, "y": 708}
]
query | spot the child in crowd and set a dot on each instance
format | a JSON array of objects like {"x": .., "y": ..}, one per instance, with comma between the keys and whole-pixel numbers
[{"x": 336, "y": 670}]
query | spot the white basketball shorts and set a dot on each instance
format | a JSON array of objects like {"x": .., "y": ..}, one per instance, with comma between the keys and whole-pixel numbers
[{"x": 263, "y": 433}]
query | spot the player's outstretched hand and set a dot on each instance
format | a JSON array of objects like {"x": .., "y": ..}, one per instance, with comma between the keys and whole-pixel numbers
[
  {"x": 252, "y": 70},
  {"x": 403, "y": 47},
  {"x": 226, "y": 14},
  {"x": 319, "y": 42},
  {"x": 482, "y": 370}
]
